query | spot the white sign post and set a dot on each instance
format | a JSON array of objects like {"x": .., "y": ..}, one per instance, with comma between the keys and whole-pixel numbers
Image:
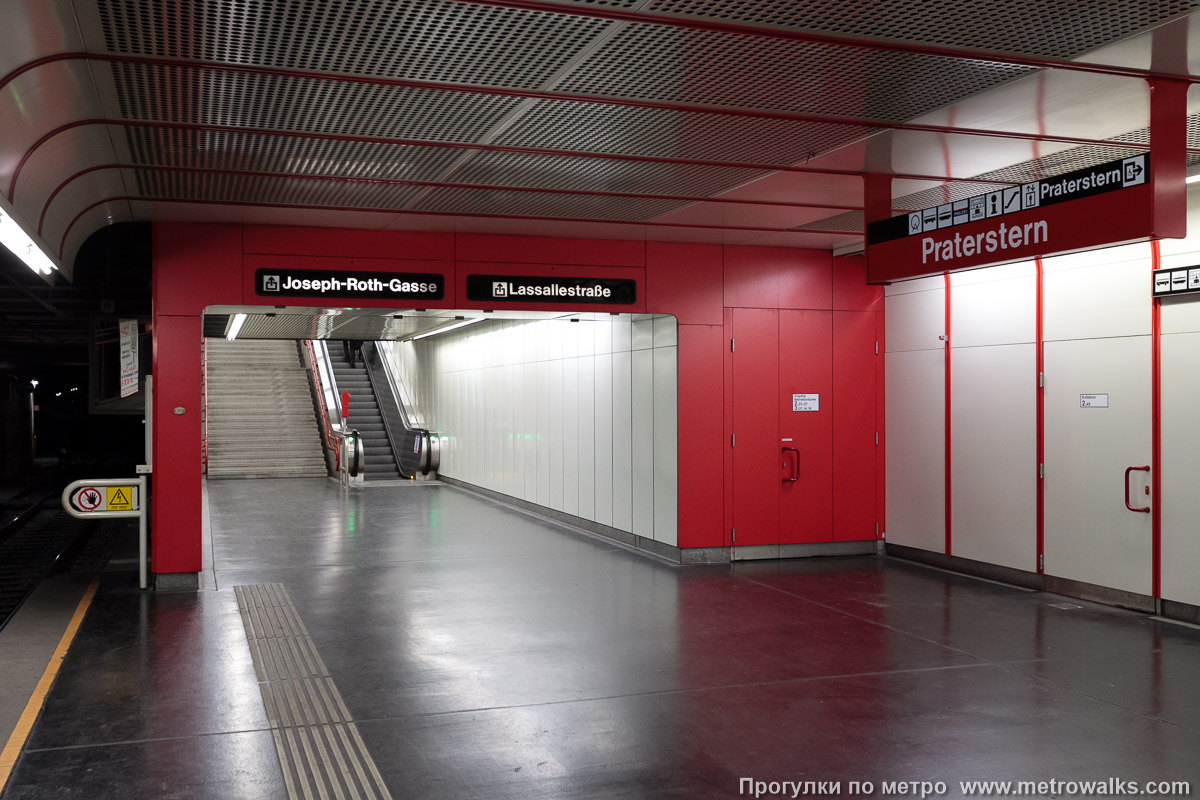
[{"x": 129, "y": 357}]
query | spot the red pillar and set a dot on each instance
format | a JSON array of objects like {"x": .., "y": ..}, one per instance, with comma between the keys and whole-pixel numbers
[{"x": 194, "y": 266}]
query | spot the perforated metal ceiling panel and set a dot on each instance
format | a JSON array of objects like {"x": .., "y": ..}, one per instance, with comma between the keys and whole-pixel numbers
[
  {"x": 219, "y": 97},
  {"x": 282, "y": 191},
  {"x": 559, "y": 172},
  {"x": 649, "y": 61},
  {"x": 472, "y": 201},
  {"x": 1045, "y": 28},
  {"x": 223, "y": 150},
  {"x": 420, "y": 39},
  {"x": 591, "y": 127}
]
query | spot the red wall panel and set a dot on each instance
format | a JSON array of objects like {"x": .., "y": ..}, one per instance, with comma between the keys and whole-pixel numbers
[
  {"x": 851, "y": 292},
  {"x": 196, "y": 266},
  {"x": 854, "y": 407},
  {"x": 549, "y": 250},
  {"x": 701, "y": 443},
  {"x": 756, "y": 464},
  {"x": 175, "y": 508},
  {"x": 806, "y": 366},
  {"x": 881, "y": 425},
  {"x": 341, "y": 243},
  {"x": 685, "y": 280},
  {"x": 772, "y": 277}
]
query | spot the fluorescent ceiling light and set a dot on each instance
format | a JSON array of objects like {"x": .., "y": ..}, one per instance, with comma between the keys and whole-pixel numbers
[
  {"x": 235, "y": 326},
  {"x": 1192, "y": 178},
  {"x": 444, "y": 328},
  {"x": 14, "y": 237}
]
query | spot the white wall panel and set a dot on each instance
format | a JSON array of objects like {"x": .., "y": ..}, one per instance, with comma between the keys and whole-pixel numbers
[
  {"x": 570, "y": 430},
  {"x": 993, "y": 312},
  {"x": 586, "y": 409},
  {"x": 604, "y": 436},
  {"x": 643, "y": 438},
  {"x": 934, "y": 282},
  {"x": 666, "y": 433},
  {"x": 994, "y": 453},
  {"x": 622, "y": 399},
  {"x": 643, "y": 334},
  {"x": 1097, "y": 298},
  {"x": 545, "y": 411},
  {"x": 529, "y": 428},
  {"x": 542, "y": 398},
  {"x": 916, "y": 489},
  {"x": 1180, "y": 468},
  {"x": 915, "y": 320}
]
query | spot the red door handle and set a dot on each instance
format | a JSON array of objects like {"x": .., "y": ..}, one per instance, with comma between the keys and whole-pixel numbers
[
  {"x": 1128, "y": 470},
  {"x": 796, "y": 469}
]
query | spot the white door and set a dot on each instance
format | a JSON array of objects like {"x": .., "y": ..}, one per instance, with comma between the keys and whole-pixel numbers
[{"x": 1090, "y": 534}]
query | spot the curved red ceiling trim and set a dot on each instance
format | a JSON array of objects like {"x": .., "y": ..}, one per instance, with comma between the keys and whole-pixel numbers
[
  {"x": 435, "y": 185},
  {"x": 575, "y": 97},
  {"x": 457, "y": 146},
  {"x": 404, "y": 212}
]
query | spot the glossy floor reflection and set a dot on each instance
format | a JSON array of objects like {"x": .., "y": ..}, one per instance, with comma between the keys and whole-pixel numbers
[{"x": 487, "y": 654}]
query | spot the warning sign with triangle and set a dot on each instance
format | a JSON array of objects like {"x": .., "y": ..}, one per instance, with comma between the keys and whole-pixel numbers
[{"x": 120, "y": 498}]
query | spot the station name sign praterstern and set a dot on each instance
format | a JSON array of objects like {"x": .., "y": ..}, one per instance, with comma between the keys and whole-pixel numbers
[
  {"x": 349, "y": 284},
  {"x": 543, "y": 289},
  {"x": 1107, "y": 203}
]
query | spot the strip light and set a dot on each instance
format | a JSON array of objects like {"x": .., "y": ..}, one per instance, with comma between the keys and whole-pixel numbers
[
  {"x": 13, "y": 236},
  {"x": 444, "y": 328},
  {"x": 1192, "y": 178},
  {"x": 235, "y": 326}
]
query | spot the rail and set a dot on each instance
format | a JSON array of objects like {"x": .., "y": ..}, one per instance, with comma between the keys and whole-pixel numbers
[
  {"x": 83, "y": 499},
  {"x": 414, "y": 447},
  {"x": 325, "y": 392}
]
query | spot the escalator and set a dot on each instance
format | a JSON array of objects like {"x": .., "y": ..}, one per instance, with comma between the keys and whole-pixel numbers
[{"x": 393, "y": 447}]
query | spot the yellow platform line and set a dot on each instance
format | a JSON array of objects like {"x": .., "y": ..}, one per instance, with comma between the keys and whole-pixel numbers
[{"x": 8, "y": 757}]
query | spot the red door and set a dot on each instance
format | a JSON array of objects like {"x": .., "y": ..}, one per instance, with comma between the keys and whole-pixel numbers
[
  {"x": 855, "y": 451},
  {"x": 756, "y": 453},
  {"x": 805, "y": 411}
]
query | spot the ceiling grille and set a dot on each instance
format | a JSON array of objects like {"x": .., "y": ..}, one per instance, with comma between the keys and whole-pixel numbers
[
  {"x": 671, "y": 64},
  {"x": 417, "y": 39},
  {"x": 628, "y": 130},
  {"x": 281, "y": 191},
  {"x": 173, "y": 147},
  {"x": 1048, "y": 28},
  {"x": 476, "y": 201},
  {"x": 603, "y": 174},
  {"x": 216, "y": 97}
]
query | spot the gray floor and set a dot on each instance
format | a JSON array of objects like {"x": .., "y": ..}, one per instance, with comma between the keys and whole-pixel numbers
[
  {"x": 28, "y": 641},
  {"x": 485, "y": 654}
]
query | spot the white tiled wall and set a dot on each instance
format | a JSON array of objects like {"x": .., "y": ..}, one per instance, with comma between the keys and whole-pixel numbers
[{"x": 579, "y": 417}]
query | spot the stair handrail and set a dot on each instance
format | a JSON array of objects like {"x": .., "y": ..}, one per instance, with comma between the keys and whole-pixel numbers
[
  {"x": 332, "y": 433},
  {"x": 379, "y": 373}
]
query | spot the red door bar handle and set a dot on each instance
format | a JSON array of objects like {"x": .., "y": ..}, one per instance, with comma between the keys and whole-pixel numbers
[
  {"x": 796, "y": 471},
  {"x": 1128, "y": 470}
]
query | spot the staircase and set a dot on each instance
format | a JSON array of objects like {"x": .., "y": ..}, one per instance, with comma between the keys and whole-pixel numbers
[
  {"x": 379, "y": 461},
  {"x": 261, "y": 421}
]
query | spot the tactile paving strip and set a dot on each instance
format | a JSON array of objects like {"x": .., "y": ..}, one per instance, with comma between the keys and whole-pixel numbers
[{"x": 320, "y": 750}]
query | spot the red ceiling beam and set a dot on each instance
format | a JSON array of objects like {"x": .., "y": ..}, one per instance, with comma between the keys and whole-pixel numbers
[
  {"x": 575, "y": 97},
  {"x": 811, "y": 37},
  {"x": 432, "y": 184},
  {"x": 449, "y": 214},
  {"x": 700, "y": 162}
]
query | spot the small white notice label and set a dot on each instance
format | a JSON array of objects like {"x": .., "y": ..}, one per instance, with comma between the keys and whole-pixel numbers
[
  {"x": 806, "y": 402},
  {"x": 1093, "y": 401}
]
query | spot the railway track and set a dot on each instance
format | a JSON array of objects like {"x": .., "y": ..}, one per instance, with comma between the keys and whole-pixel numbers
[{"x": 37, "y": 539}]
